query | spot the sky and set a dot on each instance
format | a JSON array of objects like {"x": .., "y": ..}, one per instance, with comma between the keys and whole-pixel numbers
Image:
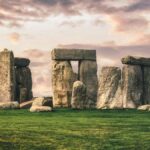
[{"x": 32, "y": 28}]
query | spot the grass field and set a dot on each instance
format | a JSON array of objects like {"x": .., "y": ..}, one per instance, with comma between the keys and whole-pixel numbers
[{"x": 66, "y": 129}]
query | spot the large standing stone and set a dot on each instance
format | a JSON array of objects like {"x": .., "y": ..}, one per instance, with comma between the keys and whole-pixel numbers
[
  {"x": 110, "y": 92},
  {"x": 23, "y": 84},
  {"x": 78, "y": 95},
  {"x": 63, "y": 78},
  {"x": 132, "y": 82},
  {"x": 7, "y": 76},
  {"x": 88, "y": 75},
  {"x": 146, "y": 89}
]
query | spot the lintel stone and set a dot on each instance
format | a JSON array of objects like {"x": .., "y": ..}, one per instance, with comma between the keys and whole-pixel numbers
[
  {"x": 73, "y": 54},
  {"x": 131, "y": 60}
]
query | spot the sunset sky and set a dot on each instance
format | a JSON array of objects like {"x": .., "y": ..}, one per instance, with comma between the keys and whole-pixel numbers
[{"x": 115, "y": 28}]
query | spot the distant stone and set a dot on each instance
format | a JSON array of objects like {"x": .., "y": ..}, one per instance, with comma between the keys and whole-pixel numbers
[
  {"x": 42, "y": 101},
  {"x": 21, "y": 62},
  {"x": 73, "y": 54},
  {"x": 78, "y": 95},
  {"x": 26, "y": 105},
  {"x": 144, "y": 107},
  {"x": 110, "y": 92},
  {"x": 88, "y": 75},
  {"x": 63, "y": 78},
  {"x": 131, "y": 60},
  {"x": 132, "y": 82},
  {"x": 9, "y": 105},
  {"x": 40, "y": 109}
]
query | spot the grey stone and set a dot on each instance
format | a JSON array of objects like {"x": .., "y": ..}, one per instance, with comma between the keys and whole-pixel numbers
[
  {"x": 78, "y": 95},
  {"x": 7, "y": 76},
  {"x": 73, "y": 54},
  {"x": 23, "y": 84},
  {"x": 132, "y": 82},
  {"x": 40, "y": 109},
  {"x": 21, "y": 62},
  {"x": 146, "y": 89},
  {"x": 9, "y": 105},
  {"x": 110, "y": 92},
  {"x": 63, "y": 78},
  {"x": 136, "y": 60},
  {"x": 88, "y": 75}
]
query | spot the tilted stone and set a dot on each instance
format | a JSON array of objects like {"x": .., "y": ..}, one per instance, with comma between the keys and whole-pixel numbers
[
  {"x": 78, "y": 100},
  {"x": 88, "y": 75},
  {"x": 136, "y": 60},
  {"x": 146, "y": 88},
  {"x": 21, "y": 62},
  {"x": 109, "y": 92},
  {"x": 63, "y": 78},
  {"x": 73, "y": 54},
  {"x": 7, "y": 76},
  {"x": 132, "y": 82}
]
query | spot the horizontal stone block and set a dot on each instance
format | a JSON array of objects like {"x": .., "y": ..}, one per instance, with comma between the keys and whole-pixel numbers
[
  {"x": 22, "y": 62},
  {"x": 73, "y": 54},
  {"x": 131, "y": 60}
]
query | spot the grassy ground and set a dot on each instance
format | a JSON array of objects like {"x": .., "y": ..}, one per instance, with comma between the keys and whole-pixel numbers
[{"x": 66, "y": 129}]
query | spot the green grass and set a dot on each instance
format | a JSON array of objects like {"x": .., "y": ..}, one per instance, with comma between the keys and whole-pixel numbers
[{"x": 66, "y": 129}]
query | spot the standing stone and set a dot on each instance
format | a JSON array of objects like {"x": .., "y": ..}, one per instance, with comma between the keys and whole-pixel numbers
[
  {"x": 78, "y": 95},
  {"x": 88, "y": 75},
  {"x": 7, "y": 76},
  {"x": 23, "y": 84},
  {"x": 110, "y": 92},
  {"x": 63, "y": 78},
  {"x": 132, "y": 82},
  {"x": 146, "y": 89}
]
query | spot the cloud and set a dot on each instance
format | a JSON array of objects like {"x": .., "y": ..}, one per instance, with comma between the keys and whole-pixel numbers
[
  {"x": 14, "y": 37},
  {"x": 16, "y": 13},
  {"x": 145, "y": 40},
  {"x": 130, "y": 23}
]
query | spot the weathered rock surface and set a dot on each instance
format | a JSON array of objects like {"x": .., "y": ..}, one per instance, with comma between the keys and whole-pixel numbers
[
  {"x": 132, "y": 82},
  {"x": 110, "y": 92},
  {"x": 9, "y": 105},
  {"x": 88, "y": 75},
  {"x": 136, "y": 61},
  {"x": 63, "y": 78},
  {"x": 146, "y": 89},
  {"x": 21, "y": 62},
  {"x": 42, "y": 101},
  {"x": 144, "y": 107},
  {"x": 40, "y": 109},
  {"x": 78, "y": 95},
  {"x": 26, "y": 105},
  {"x": 7, "y": 76},
  {"x": 23, "y": 84},
  {"x": 73, "y": 54}
]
